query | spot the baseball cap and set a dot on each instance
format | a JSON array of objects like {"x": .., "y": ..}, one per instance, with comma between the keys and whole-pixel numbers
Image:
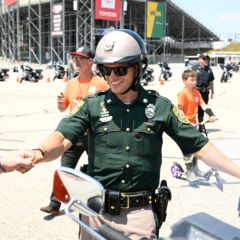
[{"x": 83, "y": 52}]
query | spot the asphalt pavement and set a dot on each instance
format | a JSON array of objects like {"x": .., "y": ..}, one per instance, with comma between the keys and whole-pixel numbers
[{"x": 29, "y": 113}]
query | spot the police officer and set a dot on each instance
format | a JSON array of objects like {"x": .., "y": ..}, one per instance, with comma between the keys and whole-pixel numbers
[
  {"x": 125, "y": 126},
  {"x": 205, "y": 82}
]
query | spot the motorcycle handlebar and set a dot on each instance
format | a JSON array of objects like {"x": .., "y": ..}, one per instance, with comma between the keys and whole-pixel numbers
[{"x": 111, "y": 234}]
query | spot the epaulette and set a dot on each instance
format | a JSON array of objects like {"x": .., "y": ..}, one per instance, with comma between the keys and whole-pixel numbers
[
  {"x": 156, "y": 94},
  {"x": 100, "y": 92},
  {"x": 153, "y": 93}
]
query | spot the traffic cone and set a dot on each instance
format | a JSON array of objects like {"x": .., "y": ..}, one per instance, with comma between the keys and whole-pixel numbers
[
  {"x": 161, "y": 81},
  {"x": 65, "y": 78},
  {"x": 48, "y": 76},
  {"x": 17, "y": 78},
  {"x": 48, "y": 79}
]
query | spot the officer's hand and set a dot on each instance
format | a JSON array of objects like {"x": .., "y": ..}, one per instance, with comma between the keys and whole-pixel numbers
[
  {"x": 21, "y": 161},
  {"x": 212, "y": 119}
]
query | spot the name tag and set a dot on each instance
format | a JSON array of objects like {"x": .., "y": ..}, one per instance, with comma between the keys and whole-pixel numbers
[{"x": 105, "y": 119}]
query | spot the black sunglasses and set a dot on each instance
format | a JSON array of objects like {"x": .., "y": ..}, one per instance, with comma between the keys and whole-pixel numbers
[{"x": 118, "y": 71}]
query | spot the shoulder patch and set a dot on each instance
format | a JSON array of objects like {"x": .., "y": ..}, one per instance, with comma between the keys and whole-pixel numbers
[
  {"x": 180, "y": 115},
  {"x": 77, "y": 107}
]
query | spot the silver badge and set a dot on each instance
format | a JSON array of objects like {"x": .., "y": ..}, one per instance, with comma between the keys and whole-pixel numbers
[
  {"x": 109, "y": 46},
  {"x": 150, "y": 111}
]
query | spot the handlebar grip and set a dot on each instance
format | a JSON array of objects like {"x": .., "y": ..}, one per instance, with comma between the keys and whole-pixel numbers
[{"x": 111, "y": 234}]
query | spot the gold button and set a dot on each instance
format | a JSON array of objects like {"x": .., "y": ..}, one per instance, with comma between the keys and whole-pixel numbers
[
  {"x": 112, "y": 207},
  {"x": 128, "y": 110},
  {"x": 123, "y": 181},
  {"x": 149, "y": 130},
  {"x": 150, "y": 202},
  {"x": 109, "y": 101},
  {"x": 127, "y": 166},
  {"x": 145, "y": 100},
  {"x": 105, "y": 129},
  {"x": 127, "y": 129},
  {"x": 127, "y": 148},
  {"x": 150, "y": 197}
]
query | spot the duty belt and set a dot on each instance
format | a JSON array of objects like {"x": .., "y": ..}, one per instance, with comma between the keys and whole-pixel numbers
[
  {"x": 203, "y": 89},
  {"x": 115, "y": 201}
]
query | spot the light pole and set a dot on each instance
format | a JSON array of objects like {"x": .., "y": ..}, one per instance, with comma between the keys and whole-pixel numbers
[{"x": 235, "y": 36}]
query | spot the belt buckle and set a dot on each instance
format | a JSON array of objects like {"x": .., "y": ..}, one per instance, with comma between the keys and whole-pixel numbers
[{"x": 128, "y": 202}]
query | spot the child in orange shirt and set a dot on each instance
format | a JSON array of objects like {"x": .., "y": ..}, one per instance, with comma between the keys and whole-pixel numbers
[{"x": 189, "y": 99}]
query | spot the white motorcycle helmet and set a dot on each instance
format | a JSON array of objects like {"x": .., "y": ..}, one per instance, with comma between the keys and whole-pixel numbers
[{"x": 122, "y": 46}]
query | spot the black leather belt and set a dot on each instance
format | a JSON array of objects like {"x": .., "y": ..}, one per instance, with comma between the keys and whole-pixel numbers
[
  {"x": 115, "y": 200},
  {"x": 136, "y": 200}
]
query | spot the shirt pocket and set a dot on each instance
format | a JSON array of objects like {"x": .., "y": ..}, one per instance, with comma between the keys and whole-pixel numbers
[
  {"x": 108, "y": 136},
  {"x": 147, "y": 139}
]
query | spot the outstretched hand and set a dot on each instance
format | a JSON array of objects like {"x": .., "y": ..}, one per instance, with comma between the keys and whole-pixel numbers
[{"x": 21, "y": 161}]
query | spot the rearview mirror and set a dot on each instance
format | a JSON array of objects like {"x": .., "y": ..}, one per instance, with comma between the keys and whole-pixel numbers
[{"x": 84, "y": 192}]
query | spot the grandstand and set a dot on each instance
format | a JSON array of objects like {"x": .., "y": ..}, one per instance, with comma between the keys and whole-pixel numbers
[{"x": 28, "y": 29}]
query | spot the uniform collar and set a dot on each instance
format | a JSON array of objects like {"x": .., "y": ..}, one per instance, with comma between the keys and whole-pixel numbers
[
  {"x": 142, "y": 97},
  {"x": 200, "y": 67}
]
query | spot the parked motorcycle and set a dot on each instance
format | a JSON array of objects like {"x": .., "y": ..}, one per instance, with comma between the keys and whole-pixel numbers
[
  {"x": 165, "y": 71},
  {"x": 83, "y": 194},
  {"x": 226, "y": 75},
  {"x": 235, "y": 67},
  {"x": 4, "y": 74},
  {"x": 147, "y": 76},
  {"x": 59, "y": 71},
  {"x": 29, "y": 74}
]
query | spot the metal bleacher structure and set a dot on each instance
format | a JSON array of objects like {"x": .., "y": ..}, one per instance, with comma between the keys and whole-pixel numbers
[{"x": 25, "y": 30}]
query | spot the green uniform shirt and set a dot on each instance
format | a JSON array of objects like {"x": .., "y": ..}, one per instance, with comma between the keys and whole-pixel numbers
[{"x": 125, "y": 141}]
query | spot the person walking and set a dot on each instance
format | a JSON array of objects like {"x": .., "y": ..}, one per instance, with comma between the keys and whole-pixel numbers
[
  {"x": 85, "y": 84},
  {"x": 125, "y": 126},
  {"x": 189, "y": 100},
  {"x": 205, "y": 82}
]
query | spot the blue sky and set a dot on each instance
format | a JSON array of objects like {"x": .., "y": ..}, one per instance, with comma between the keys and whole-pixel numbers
[{"x": 220, "y": 16}]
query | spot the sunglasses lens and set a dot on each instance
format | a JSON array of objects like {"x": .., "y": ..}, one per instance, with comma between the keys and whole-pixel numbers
[
  {"x": 105, "y": 71},
  {"x": 118, "y": 71},
  {"x": 121, "y": 71}
]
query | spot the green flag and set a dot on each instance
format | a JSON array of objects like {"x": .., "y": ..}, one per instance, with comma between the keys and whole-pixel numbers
[{"x": 155, "y": 20}]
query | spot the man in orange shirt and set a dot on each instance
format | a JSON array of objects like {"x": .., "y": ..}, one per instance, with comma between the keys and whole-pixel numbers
[
  {"x": 85, "y": 84},
  {"x": 189, "y": 99}
]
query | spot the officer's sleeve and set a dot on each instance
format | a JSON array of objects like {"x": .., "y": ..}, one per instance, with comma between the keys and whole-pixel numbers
[
  {"x": 76, "y": 124},
  {"x": 211, "y": 75},
  {"x": 182, "y": 132}
]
